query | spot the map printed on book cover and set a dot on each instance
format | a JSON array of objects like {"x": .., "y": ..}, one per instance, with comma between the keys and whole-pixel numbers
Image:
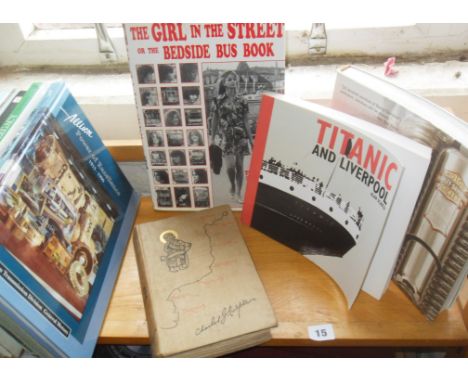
[
  {"x": 197, "y": 93},
  {"x": 202, "y": 294},
  {"x": 325, "y": 184},
  {"x": 66, "y": 212},
  {"x": 434, "y": 258}
]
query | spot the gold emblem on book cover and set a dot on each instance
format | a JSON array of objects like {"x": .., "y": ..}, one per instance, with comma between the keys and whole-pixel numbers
[{"x": 176, "y": 250}]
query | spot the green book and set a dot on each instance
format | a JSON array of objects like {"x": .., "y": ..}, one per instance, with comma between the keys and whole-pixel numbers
[{"x": 19, "y": 108}]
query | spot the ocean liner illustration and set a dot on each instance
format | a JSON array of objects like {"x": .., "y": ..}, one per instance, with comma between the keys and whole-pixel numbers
[{"x": 303, "y": 212}]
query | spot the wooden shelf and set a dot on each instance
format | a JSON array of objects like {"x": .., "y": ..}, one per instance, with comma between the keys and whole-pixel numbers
[{"x": 301, "y": 295}]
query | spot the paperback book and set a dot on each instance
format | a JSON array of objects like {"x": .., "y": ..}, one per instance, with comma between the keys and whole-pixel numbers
[
  {"x": 433, "y": 263},
  {"x": 197, "y": 93},
  {"x": 327, "y": 185},
  {"x": 66, "y": 213}
]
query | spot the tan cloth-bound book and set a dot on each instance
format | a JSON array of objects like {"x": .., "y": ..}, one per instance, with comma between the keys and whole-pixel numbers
[{"x": 203, "y": 296}]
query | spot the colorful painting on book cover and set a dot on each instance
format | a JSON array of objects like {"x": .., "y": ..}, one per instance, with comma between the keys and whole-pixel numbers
[{"x": 65, "y": 216}]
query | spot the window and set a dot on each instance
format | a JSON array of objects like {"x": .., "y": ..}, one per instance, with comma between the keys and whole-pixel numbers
[
  {"x": 107, "y": 94},
  {"x": 76, "y": 44},
  {"x": 57, "y": 44}
]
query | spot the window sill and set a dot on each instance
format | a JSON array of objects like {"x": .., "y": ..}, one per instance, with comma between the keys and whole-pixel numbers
[{"x": 107, "y": 95}]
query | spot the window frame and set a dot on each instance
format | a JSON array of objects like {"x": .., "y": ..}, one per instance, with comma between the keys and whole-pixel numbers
[
  {"x": 22, "y": 44},
  {"x": 25, "y": 45}
]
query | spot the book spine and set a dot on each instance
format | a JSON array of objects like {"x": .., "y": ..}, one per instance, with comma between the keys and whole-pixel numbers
[
  {"x": 264, "y": 118},
  {"x": 6, "y": 96},
  {"x": 19, "y": 108},
  {"x": 145, "y": 285},
  {"x": 9, "y": 105},
  {"x": 19, "y": 120}
]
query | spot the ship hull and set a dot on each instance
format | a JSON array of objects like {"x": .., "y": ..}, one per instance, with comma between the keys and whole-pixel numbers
[{"x": 298, "y": 224}]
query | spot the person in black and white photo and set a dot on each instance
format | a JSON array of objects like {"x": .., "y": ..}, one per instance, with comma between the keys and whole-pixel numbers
[
  {"x": 149, "y": 97},
  {"x": 155, "y": 138},
  {"x": 158, "y": 158},
  {"x": 189, "y": 72},
  {"x": 170, "y": 96},
  {"x": 199, "y": 176},
  {"x": 201, "y": 196},
  {"x": 145, "y": 74},
  {"x": 182, "y": 196},
  {"x": 228, "y": 116},
  {"x": 152, "y": 118},
  {"x": 167, "y": 73},
  {"x": 232, "y": 97},
  {"x": 172, "y": 118},
  {"x": 197, "y": 157},
  {"x": 178, "y": 158},
  {"x": 195, "y": 138},
  {"x": 175, "y": 138},
  {"x": 191, "y": 95},
  {"x": 163, "y": 197},
  {"x": 193, "y": 117},
  {"x": 161, "y": 176},
  {"x": 180, "y": 176}
]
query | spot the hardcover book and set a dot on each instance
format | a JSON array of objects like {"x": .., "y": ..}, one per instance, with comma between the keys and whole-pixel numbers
[
  {"x": 327, "y": 185},
  {"x": 66, "y": 213},
  {"x": 197, "y": 93},
  {"x": 433, "y": 263},
  {"x": 202, "y": 294}
]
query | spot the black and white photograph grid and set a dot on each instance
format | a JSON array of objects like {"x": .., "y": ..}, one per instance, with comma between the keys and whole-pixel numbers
[
  {"x": 232, "y": 95},
  {"x": 181, "y": 195},
  {"x": 175, "y": 128}
]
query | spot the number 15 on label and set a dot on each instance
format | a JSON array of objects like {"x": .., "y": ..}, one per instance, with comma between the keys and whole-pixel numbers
[{"x": 323, "y": 332}]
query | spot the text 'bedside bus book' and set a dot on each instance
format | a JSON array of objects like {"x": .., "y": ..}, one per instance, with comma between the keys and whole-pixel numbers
[
  {"x": 434, "y": 258},
  {"x": 327, "y": 184},
  {"x": 202, "y": 294},
  {"x": 66, "y": 213},
  {"x": 197, "y": 92}
]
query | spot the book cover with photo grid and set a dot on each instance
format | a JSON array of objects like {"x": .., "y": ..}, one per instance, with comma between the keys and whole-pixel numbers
[{"x": 197, "y": 92}]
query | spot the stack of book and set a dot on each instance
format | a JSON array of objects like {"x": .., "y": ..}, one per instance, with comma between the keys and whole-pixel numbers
[
  {"x": 372, "y": 188},
  {"x": 433, "y": 260},
  {"x": 66, "y": 214}
]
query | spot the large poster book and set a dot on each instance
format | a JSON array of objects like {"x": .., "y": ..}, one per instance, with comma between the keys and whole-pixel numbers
[
  {"x": 197, "y": 94},
  {"x": 434, "y": 257},
  {"x": 66, "y": 214},
  {"x": 203, "y": 296},
  {"x": 328, "y": 185}
]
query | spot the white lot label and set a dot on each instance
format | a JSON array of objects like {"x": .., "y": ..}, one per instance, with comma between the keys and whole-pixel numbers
[{"x": 323, "y": 332}]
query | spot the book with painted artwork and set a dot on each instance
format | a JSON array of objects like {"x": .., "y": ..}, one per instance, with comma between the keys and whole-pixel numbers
[
  {"x": 433, "y": 263},
  {"x": 333, "y": 187},
  {"x": 197, "y": 94},
  {"x": 66, "y": 213},
  {"x": 203, "y": 296}
]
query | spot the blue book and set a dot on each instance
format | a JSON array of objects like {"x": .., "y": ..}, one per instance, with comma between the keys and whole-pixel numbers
[{"x": 66, "y": 215}]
